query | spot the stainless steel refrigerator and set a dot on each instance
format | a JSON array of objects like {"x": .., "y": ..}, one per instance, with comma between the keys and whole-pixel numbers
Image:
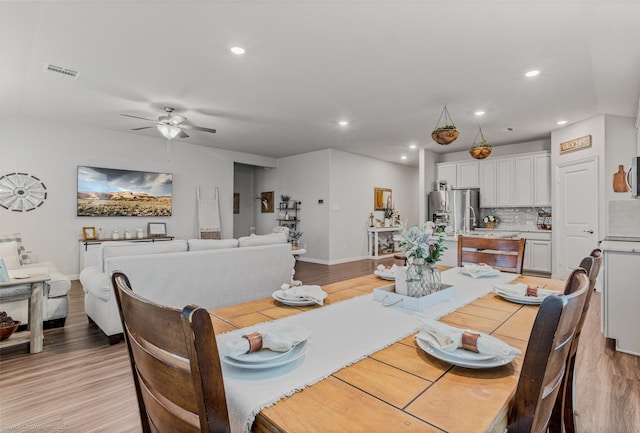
[{"x": 458, "y": 208}]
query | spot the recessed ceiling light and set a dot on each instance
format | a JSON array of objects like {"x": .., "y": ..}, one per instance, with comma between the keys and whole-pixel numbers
[
  {"x": 479, "y": 113},
  {"x": 403, "y": 157},
  {"x": 413, "y": 146},
  {"x": 343, "y": 123},
  {"x": 561, "y": 122},
  {"x": 532, "y": 73},
  {"x": 237, "y": 50}
]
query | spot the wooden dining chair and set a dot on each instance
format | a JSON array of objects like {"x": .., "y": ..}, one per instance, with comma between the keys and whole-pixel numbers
[
  {"x": 544, "y": 363},
  {"x": 563, "y": 412},
  {"x": 506, "y": 254},
  {"x": 175, "y": 364}
]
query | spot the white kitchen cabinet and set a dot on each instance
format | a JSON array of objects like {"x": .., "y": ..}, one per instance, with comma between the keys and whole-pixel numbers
[
  {"x": 467, "y": 175},
  {"x": 542, "y": 180},
  {"x": 504, "y": 182},
  {"x": 459, "y": 174},
  {"x": 523, "y": 181},
  {"x": 621, "y": 297},
  {"x": 488, "y": 183},
  {"x": 537, "y": 252},
  {"x": 447, "y": 172}
]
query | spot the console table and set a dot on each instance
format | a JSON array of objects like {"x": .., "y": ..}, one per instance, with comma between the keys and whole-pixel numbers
[
  {"x": 89, "y": 248},
  {"x": 374, "y": 235},
  {"x": 30, "y": 287}
]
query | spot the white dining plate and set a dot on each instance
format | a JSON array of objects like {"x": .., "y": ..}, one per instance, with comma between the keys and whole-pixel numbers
[
  {"x": 492, "y": 273},
  {"x": 260, "y": 356},
  {"x": 385, "y": 275},
  {"x": 463, "y": 362},
  {"x": 277, "y": 295},
  {"x": 526, "y": 300},
  {"x": 288, "y": 357},
  {"x": 458, "y": 353}
]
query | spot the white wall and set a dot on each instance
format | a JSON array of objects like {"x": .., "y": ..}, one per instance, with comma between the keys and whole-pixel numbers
[
  {"x": 52, "y": 152},
  {"x": 244, "y": 184},
  {"x": 353, "y": 179}
]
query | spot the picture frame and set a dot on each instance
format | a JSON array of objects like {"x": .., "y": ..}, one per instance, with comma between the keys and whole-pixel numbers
[
  {"x": 381, "y": 198},
  {"x": 89, "y": 233},
  {"x": 156, "y": 230},
  {"x": 266, "y": 202}
]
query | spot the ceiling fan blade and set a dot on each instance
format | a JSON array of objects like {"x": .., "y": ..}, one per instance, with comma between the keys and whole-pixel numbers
[
  {"x": 144, "y": 127},
  {"x": 183, "y": 134},
  {"x": 136, "y": 117},
  {"x": 198, "y": 128}
]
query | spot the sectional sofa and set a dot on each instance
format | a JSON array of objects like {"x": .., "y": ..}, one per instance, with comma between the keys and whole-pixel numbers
[{"x": 208, "y": 273}]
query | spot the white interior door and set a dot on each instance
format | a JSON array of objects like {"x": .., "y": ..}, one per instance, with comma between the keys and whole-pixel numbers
[{"x": 575, "y": 215}]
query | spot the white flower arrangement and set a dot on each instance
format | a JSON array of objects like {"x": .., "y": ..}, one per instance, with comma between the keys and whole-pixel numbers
[{"x": 491, "y": 219}]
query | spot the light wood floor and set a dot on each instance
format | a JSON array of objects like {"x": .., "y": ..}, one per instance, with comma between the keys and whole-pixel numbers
[{"x": 79, "y": 383}]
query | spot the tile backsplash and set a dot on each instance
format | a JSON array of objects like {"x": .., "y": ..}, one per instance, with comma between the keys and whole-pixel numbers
[
  {"x": 624, "y": 218},
  {"x": 516, "y": 217}
]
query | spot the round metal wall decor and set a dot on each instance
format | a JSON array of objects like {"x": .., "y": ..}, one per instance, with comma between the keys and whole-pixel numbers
[{"x": 21, "y": 192}]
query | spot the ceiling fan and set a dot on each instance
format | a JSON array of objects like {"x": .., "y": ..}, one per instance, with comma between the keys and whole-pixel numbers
[{"x": 171, "y": 125}]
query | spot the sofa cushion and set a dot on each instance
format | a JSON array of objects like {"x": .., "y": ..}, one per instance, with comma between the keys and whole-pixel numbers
[
  {"x": 96, "y": 282},
  {"x": 211, "y": 244},
  {"x": 255, "y": 240},
  {"x": 23, "y": 255},
  {"x": 59, "y": 284},
  {"x": 9, "y": 253},
  {"x": 117, "y": 249}
]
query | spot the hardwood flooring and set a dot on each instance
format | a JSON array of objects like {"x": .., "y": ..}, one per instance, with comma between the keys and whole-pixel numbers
[{"x": 79, "y": 383}]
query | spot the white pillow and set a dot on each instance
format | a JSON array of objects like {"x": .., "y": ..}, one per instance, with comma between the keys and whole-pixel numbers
[
  {"x": 9, "y": 252},
  {"x": 252, "y": 241},
  {"x": 212, "y": 244}
]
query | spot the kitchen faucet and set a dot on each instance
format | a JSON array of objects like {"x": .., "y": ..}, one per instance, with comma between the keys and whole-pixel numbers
[{"x": 466, "y": 221}]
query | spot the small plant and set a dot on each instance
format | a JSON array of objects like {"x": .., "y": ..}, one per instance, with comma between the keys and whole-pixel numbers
[
  {"x": 483, "y": 143},
  {"x": 415, "y": 242},
  {"x": 285, "y": 198},
  {"x": 448, "y": 127},
  {"x": 491, "y": 219}
]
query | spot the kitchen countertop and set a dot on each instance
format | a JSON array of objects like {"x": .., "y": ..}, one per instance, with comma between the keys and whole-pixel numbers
[
  {"x": 527, "y": 229},
  {"x": 632, "y": 247}
]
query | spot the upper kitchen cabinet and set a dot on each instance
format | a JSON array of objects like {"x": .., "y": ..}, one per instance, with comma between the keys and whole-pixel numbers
[
  {"x": 516, "y": 181},
  {"x": 459, "y": 174}
]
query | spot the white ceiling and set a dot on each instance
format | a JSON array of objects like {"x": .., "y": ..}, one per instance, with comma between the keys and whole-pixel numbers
[{"x": 387, "y": 66}]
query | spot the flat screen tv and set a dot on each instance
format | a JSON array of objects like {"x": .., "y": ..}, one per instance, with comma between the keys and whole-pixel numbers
[{"x": 113, "y": 192}]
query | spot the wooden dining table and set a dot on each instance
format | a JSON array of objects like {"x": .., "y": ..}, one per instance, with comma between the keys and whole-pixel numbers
[{"x": 400, "y": 388}]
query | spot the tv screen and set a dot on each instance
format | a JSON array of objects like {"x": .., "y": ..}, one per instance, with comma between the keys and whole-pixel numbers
[{"x": 113, "y": 192}]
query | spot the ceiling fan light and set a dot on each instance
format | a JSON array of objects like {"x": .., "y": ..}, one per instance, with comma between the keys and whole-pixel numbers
[{"x": 168, "y": 131}]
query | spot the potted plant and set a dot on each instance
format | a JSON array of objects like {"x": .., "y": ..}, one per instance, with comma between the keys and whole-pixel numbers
[
  {"x": 490, "y": 221},
  {"x": 481, "y": 150},
  {"x": 285, "y": 199},
  {"x": 445, "y": 134}
]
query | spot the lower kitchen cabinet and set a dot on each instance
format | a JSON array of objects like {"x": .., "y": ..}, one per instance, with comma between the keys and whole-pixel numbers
[{"x": 537, "y": 252}]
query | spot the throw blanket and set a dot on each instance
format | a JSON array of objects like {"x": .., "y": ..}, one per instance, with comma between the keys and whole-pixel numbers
[
  {"x": 208, "y": 216},
  {"x": 336, "y": 341}
]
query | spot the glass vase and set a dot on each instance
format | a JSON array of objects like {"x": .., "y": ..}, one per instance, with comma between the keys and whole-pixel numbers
[{"x": 422, "y": 278}]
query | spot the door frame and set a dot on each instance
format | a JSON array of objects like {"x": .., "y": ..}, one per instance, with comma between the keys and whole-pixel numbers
[{"x": 555, "y": 236}]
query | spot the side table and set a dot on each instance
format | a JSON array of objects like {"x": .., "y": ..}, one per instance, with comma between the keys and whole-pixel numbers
[{"x": 23, "y": 286}]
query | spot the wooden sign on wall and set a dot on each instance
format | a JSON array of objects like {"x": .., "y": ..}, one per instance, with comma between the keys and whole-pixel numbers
[{"x": 578, "y": 143}]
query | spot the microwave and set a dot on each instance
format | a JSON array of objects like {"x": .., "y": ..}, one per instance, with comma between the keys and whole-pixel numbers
[{"x": 633, "y": 177}]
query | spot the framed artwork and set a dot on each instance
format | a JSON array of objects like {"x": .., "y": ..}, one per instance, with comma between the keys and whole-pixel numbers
[
  {"x": 113, "y": 192},
  {"x": 382, "y": 198},
  {"x": 89, "y": 233},
  {"x": 266, "y": 202},
  {"x": 157, "y": 230},
  {"x": 236, "y": 203}
]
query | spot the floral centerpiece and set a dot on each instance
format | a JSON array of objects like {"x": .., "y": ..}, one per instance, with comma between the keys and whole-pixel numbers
[
  {"x": 423, "y": 253},
  {"x": 391, "y": 214},
  {"x": 490, "y": 221}
]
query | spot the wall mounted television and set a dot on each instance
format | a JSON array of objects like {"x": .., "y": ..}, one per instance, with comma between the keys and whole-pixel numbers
[{"x": 113, "y": 192}]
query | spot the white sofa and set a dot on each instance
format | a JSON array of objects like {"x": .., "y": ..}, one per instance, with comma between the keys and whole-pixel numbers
[
  {"x": 55, "y": 305},
  {"x": 208, "y": 273}
]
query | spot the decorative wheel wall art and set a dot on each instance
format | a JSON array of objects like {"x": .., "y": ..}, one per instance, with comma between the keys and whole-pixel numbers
[{"x": 21, "y": 192}]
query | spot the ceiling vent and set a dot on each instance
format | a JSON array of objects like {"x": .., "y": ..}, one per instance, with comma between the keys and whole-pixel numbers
[
  {"x": 505, "y": 129},
  {"x": 65, "y": 72}
]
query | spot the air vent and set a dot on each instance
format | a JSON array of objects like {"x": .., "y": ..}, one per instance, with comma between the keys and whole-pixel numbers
[
  {"x": 505, "y": 129},
  {"x": 65, "y": 72}
]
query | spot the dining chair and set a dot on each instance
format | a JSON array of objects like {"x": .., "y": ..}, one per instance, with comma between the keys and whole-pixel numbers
[
  {"x": 544, "y": 363},
  {"x": 506, "y": 254},
  {"x": 175, "y": 364},
  {"x": 563, "y": 412}
]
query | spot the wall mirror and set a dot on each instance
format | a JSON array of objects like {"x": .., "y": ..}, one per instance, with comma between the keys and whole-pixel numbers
[{"x": 382, "y": 198}]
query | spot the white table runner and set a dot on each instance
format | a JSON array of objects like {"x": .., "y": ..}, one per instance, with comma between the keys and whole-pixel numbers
[{"x": 341, "y": 334}]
